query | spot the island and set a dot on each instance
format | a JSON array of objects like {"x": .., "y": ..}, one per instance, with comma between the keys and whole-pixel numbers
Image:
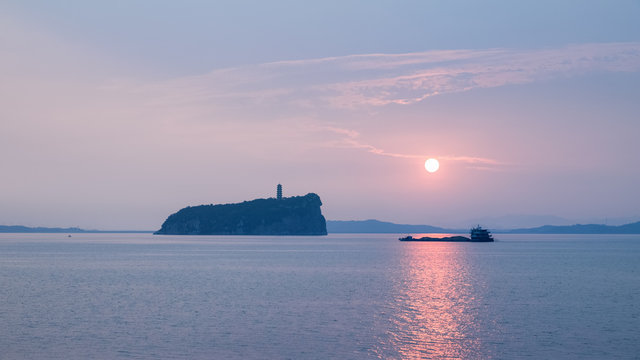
[{"x": 297, "y": 215}]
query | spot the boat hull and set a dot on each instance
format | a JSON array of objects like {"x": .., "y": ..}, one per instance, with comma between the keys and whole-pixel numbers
[{"x": 446, "y": 239}]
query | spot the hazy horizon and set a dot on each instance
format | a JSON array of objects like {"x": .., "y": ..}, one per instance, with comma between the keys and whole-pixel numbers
[
  {"x": 506, "y": 222},
  {"x": 116, "y": 115}
]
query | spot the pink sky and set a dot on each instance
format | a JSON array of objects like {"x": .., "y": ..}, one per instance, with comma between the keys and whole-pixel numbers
[{"x": 91, "y": 140}]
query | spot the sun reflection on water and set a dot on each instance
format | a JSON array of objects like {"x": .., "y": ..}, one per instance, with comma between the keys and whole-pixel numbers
[{"x": 436, "y": 304}]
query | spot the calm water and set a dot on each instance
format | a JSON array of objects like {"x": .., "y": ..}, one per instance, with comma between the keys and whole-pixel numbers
[{"x": 137, "y": 296}]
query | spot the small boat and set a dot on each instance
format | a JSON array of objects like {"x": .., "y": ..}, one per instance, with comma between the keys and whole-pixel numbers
[
  {"x": 427, "y": 238},
  {"x": 479, "y": 234}
]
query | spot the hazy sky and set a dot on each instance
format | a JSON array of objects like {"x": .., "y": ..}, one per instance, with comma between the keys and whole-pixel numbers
[{"x": 115, "y": 114}]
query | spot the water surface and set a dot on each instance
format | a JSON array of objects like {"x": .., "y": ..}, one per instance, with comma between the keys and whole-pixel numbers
[{"x": 139, "y": 296}]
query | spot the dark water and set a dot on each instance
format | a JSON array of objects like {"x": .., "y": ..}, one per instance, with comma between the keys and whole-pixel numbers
[{"x": 133, "y": 296}]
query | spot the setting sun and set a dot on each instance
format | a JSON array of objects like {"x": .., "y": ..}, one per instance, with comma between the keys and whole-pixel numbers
[{"x": 432, "y": 165}]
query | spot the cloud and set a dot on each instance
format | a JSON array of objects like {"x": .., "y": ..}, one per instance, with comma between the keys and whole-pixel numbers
[
  {"x": 373, "y": 80},
  {"x": 328, "y": 90},
  {"x": 350, "y": 139},
  {"x": 263, "y": 102},
  {"x": 401, "y": 82}
]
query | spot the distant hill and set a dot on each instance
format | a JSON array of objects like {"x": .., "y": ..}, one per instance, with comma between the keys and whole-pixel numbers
[
  {"x": 633, "y": 228},
  {"x": 520, "y": 221},
  {"x": 298, "y": 215},
  {"x": 25, "y": 229},
  {"x": 381, "y": 227},
  {"x": 73, "y": 230},
  {"x": 375, "y": 226}
]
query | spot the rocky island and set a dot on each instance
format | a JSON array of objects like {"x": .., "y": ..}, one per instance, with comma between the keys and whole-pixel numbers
[{"x": 297, "y": 215}]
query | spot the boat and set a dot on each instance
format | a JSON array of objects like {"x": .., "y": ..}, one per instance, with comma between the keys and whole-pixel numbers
[
  {"x": 479, "y": 234},
  {"x": 427, "y": 238}
]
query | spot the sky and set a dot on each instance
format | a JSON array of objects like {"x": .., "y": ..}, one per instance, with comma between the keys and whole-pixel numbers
[{"x": 114, "y": 115}]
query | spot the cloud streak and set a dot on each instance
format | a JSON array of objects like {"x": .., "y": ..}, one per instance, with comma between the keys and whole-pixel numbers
[
  {"x": 374, "y": 80},
  {"x": 335, "y": 87},
  {"x": 403, "y": 82},
  {"x": 350, "y": 139}
]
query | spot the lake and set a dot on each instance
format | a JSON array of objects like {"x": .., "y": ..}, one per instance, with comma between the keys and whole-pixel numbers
[{"x": 140, "y": 296}]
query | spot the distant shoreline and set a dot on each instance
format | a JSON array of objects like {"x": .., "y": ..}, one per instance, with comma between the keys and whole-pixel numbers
[
  {"x": 19, "y": 229},
  {"x": 381, "y": 227},
  {"x": 374, "y": 227}
]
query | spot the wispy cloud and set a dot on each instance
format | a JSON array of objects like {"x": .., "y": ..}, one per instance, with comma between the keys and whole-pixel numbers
[
  {"x": 329, "y": 90},
  {"x": 351, "y": 139},
  {"x": 357, "y": 81},
  {"x": 405, "y": 82}
]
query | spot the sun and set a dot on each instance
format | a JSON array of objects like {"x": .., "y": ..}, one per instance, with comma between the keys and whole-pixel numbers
[{"x": 432, "y": 165}]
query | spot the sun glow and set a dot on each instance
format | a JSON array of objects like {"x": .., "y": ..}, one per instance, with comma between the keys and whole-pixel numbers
[{"x": 432, "y": 165}]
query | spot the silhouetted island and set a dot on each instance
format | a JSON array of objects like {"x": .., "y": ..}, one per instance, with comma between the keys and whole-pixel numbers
[{"x": 297, "y": 215}]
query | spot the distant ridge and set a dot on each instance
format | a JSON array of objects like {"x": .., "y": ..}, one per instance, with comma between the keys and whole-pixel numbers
[
  {"x": 376, "y": 226},
  {"x": 381, "y": 227},
  {"x": 633, "y": 228},
  {"x": 25, "y": 229},
  {"x": 71, "y": 230}
]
